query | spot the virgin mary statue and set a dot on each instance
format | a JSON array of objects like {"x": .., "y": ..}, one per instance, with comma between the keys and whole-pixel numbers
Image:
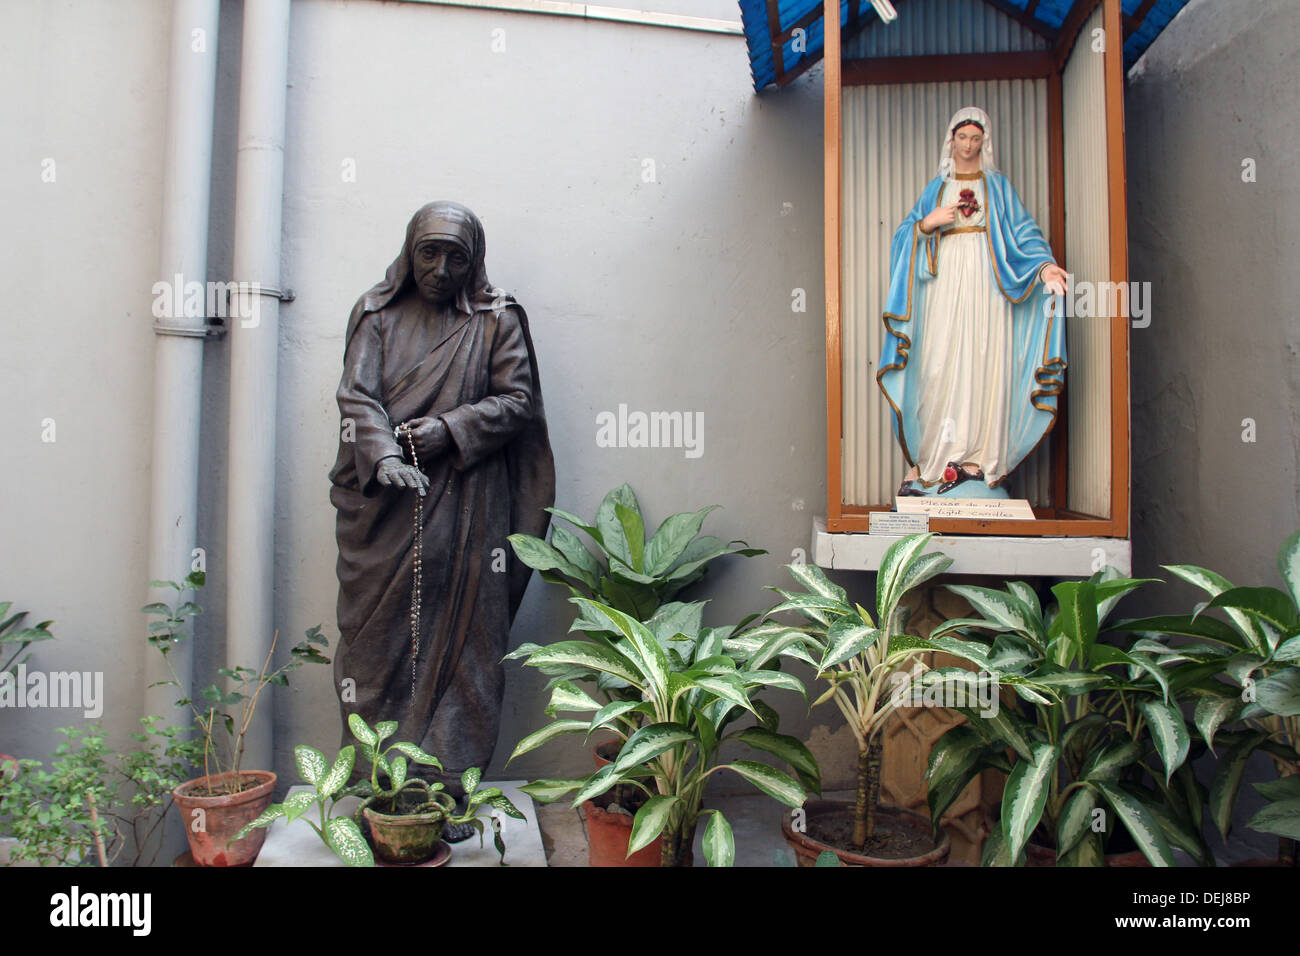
[
  {"x": 973, "y": 360},
  {"x": 447, "y": 455}
]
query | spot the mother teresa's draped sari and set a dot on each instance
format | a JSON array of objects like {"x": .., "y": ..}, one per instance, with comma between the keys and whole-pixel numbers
[{"x": 477, "y": 371}]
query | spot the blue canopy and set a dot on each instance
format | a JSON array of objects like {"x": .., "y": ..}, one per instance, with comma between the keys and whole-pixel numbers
[{"x": 1143, "y": 21}]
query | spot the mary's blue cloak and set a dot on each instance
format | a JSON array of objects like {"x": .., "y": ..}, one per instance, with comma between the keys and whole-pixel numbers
[{"x": 1017, "y": 250}]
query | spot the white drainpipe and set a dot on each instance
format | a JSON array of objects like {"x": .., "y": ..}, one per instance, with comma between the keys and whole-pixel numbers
[
  {"x": 178, "y": 344},
  {"x": 259, "y": 181}
]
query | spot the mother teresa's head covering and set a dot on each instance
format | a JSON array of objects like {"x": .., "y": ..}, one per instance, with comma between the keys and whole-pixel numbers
[
  {"x": 447, "y": 221},
  {"x": 967, "y": 114}
]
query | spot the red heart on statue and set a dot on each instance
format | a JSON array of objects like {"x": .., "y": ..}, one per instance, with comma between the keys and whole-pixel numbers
[{"x": 950, "y": 473}]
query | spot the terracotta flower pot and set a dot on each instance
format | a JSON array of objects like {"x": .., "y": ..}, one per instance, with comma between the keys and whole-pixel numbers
[
  {"x": 221, "y": 817},
  {"x": 607, "y": 839},
  {"x": 405, "y": 839},
  {"x": 822, "y": 812}
]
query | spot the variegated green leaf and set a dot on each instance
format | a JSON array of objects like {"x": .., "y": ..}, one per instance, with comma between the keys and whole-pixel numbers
[
  {"x": 728, "y": 687},
  {"x": 781, "y": 786},
  {"x": 469, "y": 780},
  {"x": 790, "y": 749},
  {"x": 1026, "y": 796},
  {"x": 847, "y": 637},
  {"x": 779, "y": 679},
  {"x": 650, "y": 821},
  {"x": 568, "y": 696},
  {"x": 719, "y": 843},
  {"x": 1279, "y": 693},
  {"x": 345, "y": 839},
  {"x": 264, "y": 819},
  {"x": 1281, "y": 819},
  {"x": 955, "y": 760},
  {"x": 589, "y": 655},
  {"x": 670, "y": 541},
  {"x": 1001, "y": 608},
  {"x": 383, "y": 730},
  {"x": 815, "y": 580},
  {"x": 397, "y": 772},
  {"x": 416, "y": 755},
  {"x": 599, "y": 782},
  {"x": 649, "y": 742},
  {"x": 338, "y": 774},
  {"x": 610, "y": 712},
  {"x": 298, "y": 803},
  {"x": 549, "y": 732},
  {"x": 1106, "y": 764},
  {"x": 1227, "y": 779},
  {"x": 1075, "y": 820},
  {"x": 311, "y": 763},
  {"x": 361, "y": 730},
  {"x": 1288, "y": 565},
  {"x": 1168, "y": 732},
  {"x": 548, "y": 791},
  {"x": 502, "y": 802},
  {"x": 1140, "y": 823},
  {"x": 894, "y": 565}
]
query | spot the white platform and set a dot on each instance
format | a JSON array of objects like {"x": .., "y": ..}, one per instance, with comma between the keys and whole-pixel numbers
[
  {"x": 980, "y": 554},
  {"x": 297, "y": 844}
]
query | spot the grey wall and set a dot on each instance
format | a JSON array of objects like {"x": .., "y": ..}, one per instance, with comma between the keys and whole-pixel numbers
[
  {"x": 673, "y": 295},
  {"x": 1217, "y": 87}
]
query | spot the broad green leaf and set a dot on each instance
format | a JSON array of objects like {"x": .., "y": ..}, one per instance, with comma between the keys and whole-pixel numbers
[
  {"x": 814, "y": 579},
  {"x": 1210, "y": 714},
  {"x": 607, "y": 714},
  {"x": 1288, "y": 564},
  {"x": 634, "y": 533},
  {"x": 613, "y": 537},
  {"x": 774, "y": 679},
  {"x": 469, "y": 780},
  {"x": 1267, "y": 604},
  {"x": 416, "y": 755},
  {"x": 1279, "y": 693},
  {"x": 383, "y": 730},
  {"x": 263, "y": 819},
  {"x": 1026, "y": 796},
  {"x": 311, "y": 763},
  {"x": 599, "y": 782},
  {"x": 790, "y": 749},
  {"x": 568, "y": 696},
  {"x": 676, "y": 618},
  {"x": 847, "y": 637},
  {"x": 1227, "y": 779},
  {"x": 338, "y": 773},
  {"x": 550, "y": 731},
  {"x": 345, "y": 839},
  {"x": 776, "y": 639},
  {"x": 1003, "y": 609},
  {"x": 1087, "y": 852},
  {"x": 973, "y": 651},
  {"x": 361, "y": 730},
  {"x": 1139, "y": 822},
  {"x": 548, "y": 791},
  {"x": 1106, "y": 764},
  {"x": 1288, "y": 650},
  {"x": 397, "y": 772},
  {"x": 1184, "y": 625},
  {"x": 587, "y": 654},
  {"x": 649, "y": 742},
  {"x": 297, "y": 803},
  {"x": 650, "y": 821},
  {"x": 1078, "y": 616},
  {"x": 955, "y": 760},
  {"x": 502, "y": 802},
  {"x": 1284, "y": 788},
  {"x": 1177, "y": 832},
  {"x": 577, "y": 522},
  {"x": 569, "y": 545},
  {"x": 719, "y": 843},
  {"x": 1027, "y": 596},
  {"x": 1168, "y": 732},
  {"x": 670, "y": 541},
  {"x": 923, "y": 569},
  {"x": 1076, "y": 820},
  {"x": 1003, "y": 726},
  {"x": 775, "y": 783},
  {"x": 728, "y": 687},
  {"x": 894, "y": 566},
  {"x": 1281, "y": 819}
]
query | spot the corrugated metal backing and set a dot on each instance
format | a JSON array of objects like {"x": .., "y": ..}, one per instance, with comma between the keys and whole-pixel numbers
[
  {"x": 944, "y": 26},
  {"x": 1087, "y": 251},
  {"x": 892, "y": 136}
]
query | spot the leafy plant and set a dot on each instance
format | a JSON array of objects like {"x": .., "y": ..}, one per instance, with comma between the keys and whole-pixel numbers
[
  {"x": 1241, "y": 673},
  {"x": 1089, "y": 723},
  {"x": 344, "y": 835},
  {"x": 170, "y": 628},
  {"x": 15, "y": 639},
  {"x": 685, "y": 685},
  {"x": 859, "y": 656},
  {"x": 94, "y": 803},
  {"x": 627, "y": 572}
]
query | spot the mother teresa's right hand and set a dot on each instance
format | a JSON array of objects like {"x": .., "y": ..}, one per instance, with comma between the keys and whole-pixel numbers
[{"x": 396, "y": 473}]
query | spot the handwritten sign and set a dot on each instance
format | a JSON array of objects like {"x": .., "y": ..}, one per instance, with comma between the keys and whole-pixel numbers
[{"x": 984, "y": 509}]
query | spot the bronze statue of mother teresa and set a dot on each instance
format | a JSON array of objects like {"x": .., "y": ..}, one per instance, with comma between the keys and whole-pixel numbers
[{"x": 440, "y": 399}]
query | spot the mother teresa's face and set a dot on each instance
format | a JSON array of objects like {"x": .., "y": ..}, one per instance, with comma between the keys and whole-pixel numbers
[{"x": 440, "y": 268}]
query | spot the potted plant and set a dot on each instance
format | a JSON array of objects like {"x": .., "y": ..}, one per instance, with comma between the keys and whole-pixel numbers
[
  {"x": 217, "y": 805},
  {"x": 859, "y": 656},
  {"x": 1242, "y": 679},
  {"x": 1087, "y": 725},
  {"x": 94, "y": 803},
  {"x": 686, "y": 690},
  {"x": 402, "y": 822},
  {"x": 641, "y": 578}
]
